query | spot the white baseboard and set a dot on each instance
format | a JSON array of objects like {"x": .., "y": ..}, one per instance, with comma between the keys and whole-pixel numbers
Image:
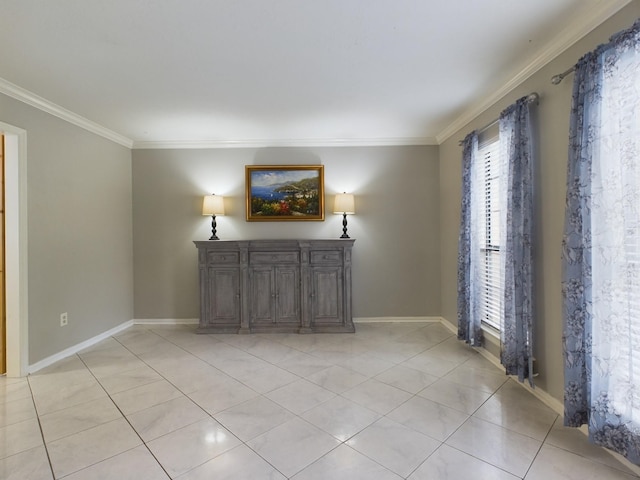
[
  {"x": 449, "y": 326},
  {"x": 396, "y": 319},
  {"x": 551, "y": 402},
  {"x": 165, "y": 321},
  {"x": 67, "y": 352}
]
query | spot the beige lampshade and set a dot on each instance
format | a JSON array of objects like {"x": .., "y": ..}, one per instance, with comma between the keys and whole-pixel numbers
[
  {"x": 344, "y": 203},
  {"x": 213, "y": 205}
]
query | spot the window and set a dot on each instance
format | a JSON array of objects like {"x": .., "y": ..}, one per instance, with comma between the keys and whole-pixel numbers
[
  {"x": 495, "y": 261},
  {"x": 491, "y": 278}
]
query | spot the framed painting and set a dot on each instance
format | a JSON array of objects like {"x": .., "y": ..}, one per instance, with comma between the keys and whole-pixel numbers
[{"x": 284, "y": 193}]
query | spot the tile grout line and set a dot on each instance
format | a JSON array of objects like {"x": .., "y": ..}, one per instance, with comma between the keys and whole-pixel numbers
[
  {"x": 44, "y": 443},
  {"x": 123, "y": 416}
]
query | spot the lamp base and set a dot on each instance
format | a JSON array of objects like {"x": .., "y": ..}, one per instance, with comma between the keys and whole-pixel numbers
[
  {"x": 213, "y": 228},
  {"x": 344, "y": 226}
]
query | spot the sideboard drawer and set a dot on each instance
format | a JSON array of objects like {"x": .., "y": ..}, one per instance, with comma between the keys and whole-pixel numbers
[
  {"x": 270, "y": 258},
  {"x": 218, "y": 258},
  {"x": 326, "y": 257}
]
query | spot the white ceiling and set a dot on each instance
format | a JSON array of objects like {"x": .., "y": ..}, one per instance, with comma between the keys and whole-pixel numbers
[{"x": 248, "y": 72}]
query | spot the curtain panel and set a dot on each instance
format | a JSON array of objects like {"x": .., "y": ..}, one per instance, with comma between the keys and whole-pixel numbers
[
  {"x": 469, "y": 324},
  {"x": 600, "y": 251},
  {"x": 516, "y": 334}
]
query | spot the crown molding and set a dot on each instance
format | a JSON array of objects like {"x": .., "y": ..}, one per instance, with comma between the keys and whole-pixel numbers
[
  {"x": 25, "y": 96},
  {"x": 578, "y": 29},
  {"x": 291, "y": 142},
  {"x": 30, "y": 98}
]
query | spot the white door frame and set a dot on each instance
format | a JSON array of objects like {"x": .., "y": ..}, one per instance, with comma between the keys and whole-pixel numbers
[{"x": 16, "y": 285}]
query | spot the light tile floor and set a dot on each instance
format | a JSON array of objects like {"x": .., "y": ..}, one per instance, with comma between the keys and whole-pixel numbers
[{"x": 392, "y": 401}]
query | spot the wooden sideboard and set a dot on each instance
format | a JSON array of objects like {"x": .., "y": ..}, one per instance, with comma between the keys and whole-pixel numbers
[{"x": 299, "y": 286}]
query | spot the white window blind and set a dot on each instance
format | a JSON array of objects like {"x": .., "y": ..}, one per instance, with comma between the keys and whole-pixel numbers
[{"x": 491, "y": 278}]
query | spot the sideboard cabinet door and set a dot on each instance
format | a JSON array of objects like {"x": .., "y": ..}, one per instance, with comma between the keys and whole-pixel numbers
[
  {"x": 330, "y": 304},
  {"x": 220, "y": 290},
  {"x": 287, "y": 291},
  {"x": 224, "y": 293},
  {"x": 326, "y": 297}
]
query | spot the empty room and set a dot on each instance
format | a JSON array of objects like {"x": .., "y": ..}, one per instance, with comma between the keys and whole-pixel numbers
[{"x": 295, "y": 239}]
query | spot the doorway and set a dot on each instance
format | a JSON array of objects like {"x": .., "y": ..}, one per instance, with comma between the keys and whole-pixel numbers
[{"x": 15, "y": 265}]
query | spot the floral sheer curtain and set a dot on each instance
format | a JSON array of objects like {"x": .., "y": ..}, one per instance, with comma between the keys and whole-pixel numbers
[
  {"x": 601, "y": 247},
  {"x": 469, "y": 322},
  {"x": 515, "y": 199},
  {"x": 516, "y": 334}
]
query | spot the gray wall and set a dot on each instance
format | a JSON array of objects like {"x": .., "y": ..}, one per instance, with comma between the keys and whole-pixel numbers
[
  {"x": 553, "y": 125},
  {"x": 79, "y": 230},
  {"x": 396, "y": 255}
]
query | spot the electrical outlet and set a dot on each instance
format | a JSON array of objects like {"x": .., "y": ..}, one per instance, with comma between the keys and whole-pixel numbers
[{"x": 64, "y": 319}]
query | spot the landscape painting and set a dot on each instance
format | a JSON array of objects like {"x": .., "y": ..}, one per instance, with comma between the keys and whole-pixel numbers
[{"x": 285, "y": 193}]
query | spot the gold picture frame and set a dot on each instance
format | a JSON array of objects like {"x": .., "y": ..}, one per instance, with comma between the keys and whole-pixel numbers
[{"x": 281, "y": 193}]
